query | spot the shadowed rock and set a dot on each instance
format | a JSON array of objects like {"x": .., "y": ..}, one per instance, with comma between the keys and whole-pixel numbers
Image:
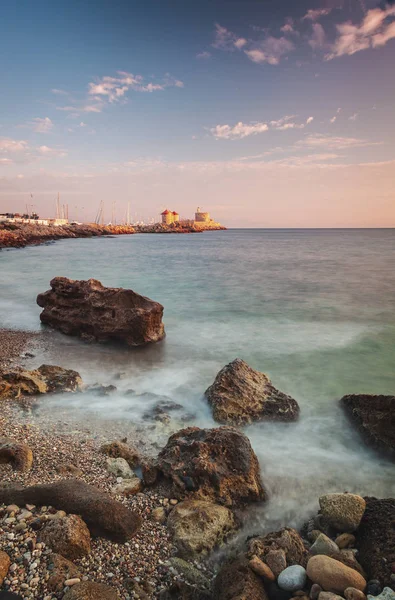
[
  {"x": 89, "y": 310},
  {"x": 17, "y": 454},
  {"x": 237, "y": 581},
  {"x": 285, "y": 543},
  {"x": 217, "y": 464},
  {"x": 104, "y": 516},
  {"x": 242, "y": 395},
  {"x": 374, "y": 416}
]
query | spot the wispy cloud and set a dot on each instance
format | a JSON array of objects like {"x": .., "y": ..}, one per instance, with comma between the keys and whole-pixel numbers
[
  {"x": 316, "y": 14},
  {"x": 372, "y": 32},
  {"x": 47, "y": 151},
  {"x": 353, "y": 117},
  {"x": 289, "y": 27},
  {"x": 203, "y": 55},
  {"x": 242, "y": 130},
  {"x": 333, "y": 142},
  {"x": 19, "y": 151},
  {"x": 8, "y": 145},
  {"x": 41, "y": 125},
  {"x": 318, "y": 37}
]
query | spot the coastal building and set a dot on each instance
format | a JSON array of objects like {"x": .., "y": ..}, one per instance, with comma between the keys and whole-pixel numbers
[
  {"x": 169, "y": 217},
  {"x": 202, "y": 217}
]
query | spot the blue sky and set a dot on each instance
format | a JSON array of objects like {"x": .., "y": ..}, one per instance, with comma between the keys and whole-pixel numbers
[{"x": 266, "y": 113}]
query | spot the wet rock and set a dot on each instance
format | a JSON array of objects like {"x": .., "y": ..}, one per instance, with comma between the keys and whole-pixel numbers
[
  {"x": 236, "y": 581},
  {"x": 68, "y": 536},
  {"x": 119, "y": 467},
  {"x": 5, "y": 563},
  {"x": 345, "y": 540},
  {"x": 122, "y": 450},
  {"x": 332, "y": 575},
  {"x": 103, "y": 515},
  {"x": 89, "y": 310},
  {"x": 17, "y": 383},
  {"x": 261, "y": 569},
  {"x": 197, "y": 526},
  {"x": 324, "y": 545},
  {"x": 61, "y": 569},
  {"x": 376, "y": 539},
  {"x": 354, "y": 594},
  {"x": 242, "y": 395},
  {"x": 101, "y": 390},
  {"x": 150, "y": 472},
  {"x": 17, "y": 454},
  {"x": 88, "y": 590},
  {"x": 292, "y": 578},
  {"x": 374, "y": 417},
  {"x": 276, "y": 546},
  {"x": 215, "y": 464},
  {"x": 374, "y": 587},
  {"x": 386, "y": 594},
  {"x": 128, "y": 487},
  {"x": 343, "y": 511}
]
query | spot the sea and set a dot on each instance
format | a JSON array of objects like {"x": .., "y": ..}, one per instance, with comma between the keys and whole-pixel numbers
[{"x": 313, "y": 309}]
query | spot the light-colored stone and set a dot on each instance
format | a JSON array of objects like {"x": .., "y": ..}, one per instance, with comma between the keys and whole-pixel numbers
[
  {"x": 324, "y": 545},
  {"x": 277, "y": 561},
  {"x": 332, "y": 575},
  {"x": 119, "y": 467},
  {"x": 261, "y": 568},
  {"x": 354, "y": 594},
  {"x": 71, "y": 582},
  {"x": 293, "y": 578},
  {"x": 128, "y": 487},
  {"x": 386, "y": 594},
  {"x": 343, "y": 511},
  {"x": 159, "y": 514},
  {"x": 345, "y": 540},
  {"x": 197, "y": 526}
]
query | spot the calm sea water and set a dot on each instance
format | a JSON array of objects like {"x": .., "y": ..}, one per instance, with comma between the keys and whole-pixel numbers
[{"x": 314, "y": 309}]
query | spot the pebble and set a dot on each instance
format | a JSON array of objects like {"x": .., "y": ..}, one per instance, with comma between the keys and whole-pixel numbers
[
  {"x": 70, "y": 582},
  {"x": 345, "y": 540},
  {"x": 329, "y": 596},
  {"x": 373, "y": 588},
  {"x": 386, "y": 594},
  {"x": 261, "y": 568},
  {"x": 315, "y": 591},
  {"x": 353, "y": 594},
  {"x": 292, "y": 578},
  {"x": 324, "y": 545}
]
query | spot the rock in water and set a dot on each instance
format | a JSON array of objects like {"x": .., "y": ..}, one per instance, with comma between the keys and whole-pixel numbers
[
  {"x": 213, "y": 464},
  {"x": 374, "y": 416},
  {"x": 198, "y": 526},
  {"x": 343, "y": 512},
  {"x": 241, "y": 395},
  {"x": 237, "y": 581},
  {"x": 89, "y": 310},
  {"x": 376, "y": 539},
  {"x": 332, "y": 575},
  {"x": 104, "y": 516}
]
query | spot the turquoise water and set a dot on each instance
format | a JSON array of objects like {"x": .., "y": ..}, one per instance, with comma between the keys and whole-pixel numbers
[{"x": 314, "y": 309}]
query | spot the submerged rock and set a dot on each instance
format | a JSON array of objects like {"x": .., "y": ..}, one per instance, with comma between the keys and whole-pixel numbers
[
  {"x": 104, "y": 516},
  {"x": 16, "y": 383},
  {"x": 241, "y": 395},
  {"x": 197, "y": 526},
  {"x": 89, "y": 310},
  {"x": 376, "y": 540},
  {"x": 215, "y": 464},
  {"x": 374, "y": 416}
]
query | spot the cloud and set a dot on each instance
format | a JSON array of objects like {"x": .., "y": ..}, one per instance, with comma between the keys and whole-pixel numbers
[
  {"x": 271, "y": 50},
  {"x": 318, "y": 38},
  {"x": 238, "y": 131},
  {"x": 374, "y": 31},
  {"x": 353, "y": 117},
  {"x": 6, "y": 161},
  {"x": 21, "y": 152},
  {"x": 315, "y": 14},
  {"x": 59, "y": 92},
  {"x": 47, "y": 151},
  {"x": 44, "y": 125},
  {"x": 8, "y": 145},
  {"x": 333, "y": 142},
  {"x": 333, "y": 119},
  {"x": 204, "y": 54},
  {"x": 309, "y": 120},
  {"x": 288, "y": 27}
]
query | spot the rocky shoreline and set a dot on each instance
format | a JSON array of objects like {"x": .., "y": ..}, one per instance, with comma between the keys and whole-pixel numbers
[{"x": 85, "y": 515}]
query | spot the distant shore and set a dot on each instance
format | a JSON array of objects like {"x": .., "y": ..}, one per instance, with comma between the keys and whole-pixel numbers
[{"x": 19, "y": 235}]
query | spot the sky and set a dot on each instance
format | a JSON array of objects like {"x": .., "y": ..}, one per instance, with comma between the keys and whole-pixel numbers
[{"x": 265, "y": 114}]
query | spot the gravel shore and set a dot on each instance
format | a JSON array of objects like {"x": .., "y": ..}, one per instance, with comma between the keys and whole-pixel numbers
[{"x": 15, "y": 344}]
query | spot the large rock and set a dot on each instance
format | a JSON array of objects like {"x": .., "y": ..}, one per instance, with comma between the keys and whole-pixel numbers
[
  {"x": 119, "y": 449},
  {"x": 119, "y": 467},
  {"x": 18, "y": 454},
  {"x": 374, "y": 416},
  {"x": 237, "y": 581},
  {"x": 343, "y": 512},
  {"x": 89, "y": 590},
  {"x": 5, "y": 563},
  {"x": 89, "y": 310},
  {"x": 60, "y": 570},
  {"x": 332, "y": 575},
  {"x": 68, "y": 536},
  {"x": 375, "y": 539},
  {"x": 214, "y": 464},
  {"x": 104, "y": 516},
  {"x": 241, "y": 395},
  {"x": 15, "y": 383},
  {"x": 198, "y": 526},
  {"x": 272, "y": 547}
]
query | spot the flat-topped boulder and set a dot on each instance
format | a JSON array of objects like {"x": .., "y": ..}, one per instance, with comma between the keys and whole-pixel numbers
[
  {"x": 241, "y": 395},
  {"x": 213, "y": 464},
  {"x": 93, "y": 312},
  {"x": 374, "y": 417}
]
